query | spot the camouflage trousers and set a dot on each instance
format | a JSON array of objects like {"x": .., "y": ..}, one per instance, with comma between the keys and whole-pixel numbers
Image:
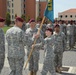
[
  {"x": 48, "y": 67},
  {"x": 2, "y": 58},
  {"x": 71, "y": 40},
  {"x": 16, "y": 66},
  {"x": 33, "y": 63},
  {"x": 58, "y": 59}
]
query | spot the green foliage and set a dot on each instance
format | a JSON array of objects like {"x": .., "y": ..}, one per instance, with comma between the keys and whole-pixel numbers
[
  {"x": 15, "y": 15},
  {"x": 27, "y": 18},
  {"x": 39, "y": 18},
  {"x": 5, "y": 28},
  {"x": 8, "y": 19},
  {"x": 23, "y": 17}
]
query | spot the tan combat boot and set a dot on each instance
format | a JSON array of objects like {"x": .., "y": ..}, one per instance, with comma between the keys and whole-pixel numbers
[
  {"x": 31, "y": 73},
  {"x": 58, "y": 70},
  {"x": 34, "y": 73}
]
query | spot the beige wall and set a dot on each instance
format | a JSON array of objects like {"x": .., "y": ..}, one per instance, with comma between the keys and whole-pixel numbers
[
  {"x": 16, "y": 9},
  {"x": 37, "y": 9},
  {"x": 68, "y": 16}
]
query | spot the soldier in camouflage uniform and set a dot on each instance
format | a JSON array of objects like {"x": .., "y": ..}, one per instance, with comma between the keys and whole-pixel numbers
[
  {"x": 60, "y": 45},
  {"x": 2, "y": 44},
  {"x": 50, "y": 25},
  {"x": 34, "y": 60},
  {"x": 16, "y": 41},
  {"x": 49, "y": 58},
  {"x": 70, "y": 34}
]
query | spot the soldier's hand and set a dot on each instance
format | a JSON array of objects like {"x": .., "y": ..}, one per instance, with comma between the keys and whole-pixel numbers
[
  {"x": 33, "y": 46},
  {"x": 37, "y": 36}
]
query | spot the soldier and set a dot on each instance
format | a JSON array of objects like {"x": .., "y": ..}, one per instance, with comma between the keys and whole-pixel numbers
[
  {"x": 50, "y": 25},
  {"x": 43, "y": 26},
  {"x": 24, "y": 26},
  {"x": 62, "y": 27},
  {"x": 70, "y": 34},
  {"x": 60, "y": 46},
  {"x": 2, "y": 44},
  {"x": 34, "y": 60},
  {"x": 48, "y": 65},
  {"x": 16, "y": 41}
]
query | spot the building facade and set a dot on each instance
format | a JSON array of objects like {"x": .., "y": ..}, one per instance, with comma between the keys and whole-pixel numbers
[
  {"x": 3, "y": 8},
  {"x": 29, "y": 8},
  {"x": 67, "y": 15},
  {"x": 15, "y": 8},
  {"x": 42, "y": 5}
]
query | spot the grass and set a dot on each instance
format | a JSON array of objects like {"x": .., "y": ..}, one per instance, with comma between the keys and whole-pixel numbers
[{"x": 5, "y": 28}]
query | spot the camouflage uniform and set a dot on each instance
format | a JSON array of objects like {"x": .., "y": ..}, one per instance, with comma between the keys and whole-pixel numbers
[
  {"x": 43, "y": 29},
  {"x": 70, "y": 35},
  {"x": 33, "y": 63},
  {"x": 50, "y": 26},
  {"x": 49, "y": 59},
  {"x": 16, "y": 41},
  {"x": 60, "y": 46},
  {"x": 63, "y": 28},
  {"x": 24, "y": 27},
  {"x": 2, "y": 49}
]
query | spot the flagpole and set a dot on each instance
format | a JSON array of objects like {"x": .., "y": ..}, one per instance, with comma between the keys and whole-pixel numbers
[{"x": 25, "y": 65}]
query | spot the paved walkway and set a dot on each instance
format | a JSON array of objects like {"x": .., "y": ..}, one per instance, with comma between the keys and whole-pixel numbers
[{"x": 69, "y": 63}]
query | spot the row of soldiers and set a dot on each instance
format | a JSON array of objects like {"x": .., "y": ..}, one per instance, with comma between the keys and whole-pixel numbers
[
  {"x": 68, "y": 27},
  {"x": 20, "y": 35}
]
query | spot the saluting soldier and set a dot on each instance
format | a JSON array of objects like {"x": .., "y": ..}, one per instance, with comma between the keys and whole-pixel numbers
[
  {"x": 60, "y": 46},
  {"x": 2, "y": 44},
  {"x": 16, "y": 40},
  {"x": 34, "y": 60}
]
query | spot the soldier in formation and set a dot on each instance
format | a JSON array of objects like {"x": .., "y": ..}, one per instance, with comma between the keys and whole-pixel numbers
[
  {"x": 2, "y": 44},
  {"x": 60, "y": 46}
]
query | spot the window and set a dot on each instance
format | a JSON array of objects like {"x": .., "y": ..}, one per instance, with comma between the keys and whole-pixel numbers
[
  {"x": 24, "y": 5},
  {"x": 12, "y": 4},
  {"x": 12, "y": 11},
  {"x": 61, "y": 16},
  {"x": 66, "y": 16},
  {"x": 8, "y": 3},
  {"x": 9, "y": 10},
  {"x": 71, "y": 16},
  {"x": 12, "y": 16},
  {"x": 24, "y": 11}
]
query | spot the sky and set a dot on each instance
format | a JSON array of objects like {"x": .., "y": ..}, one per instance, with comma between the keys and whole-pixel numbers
[{"x": 62, "y": 5}]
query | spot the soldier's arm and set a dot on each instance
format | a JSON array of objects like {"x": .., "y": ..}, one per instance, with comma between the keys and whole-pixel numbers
[{"x": 41, "y": 44}]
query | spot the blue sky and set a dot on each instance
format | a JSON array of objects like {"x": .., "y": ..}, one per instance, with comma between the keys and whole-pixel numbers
[{"x": 62, "y": 5}]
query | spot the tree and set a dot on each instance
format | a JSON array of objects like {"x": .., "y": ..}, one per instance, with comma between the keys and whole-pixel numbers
[
  {"x": 23, "y": 17},
  {"x": 39, "y": 18},
  {"x": 27, "y": 18},
  {"x": 15, "y": 15},
  {"x": 8, "y": 19}
]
